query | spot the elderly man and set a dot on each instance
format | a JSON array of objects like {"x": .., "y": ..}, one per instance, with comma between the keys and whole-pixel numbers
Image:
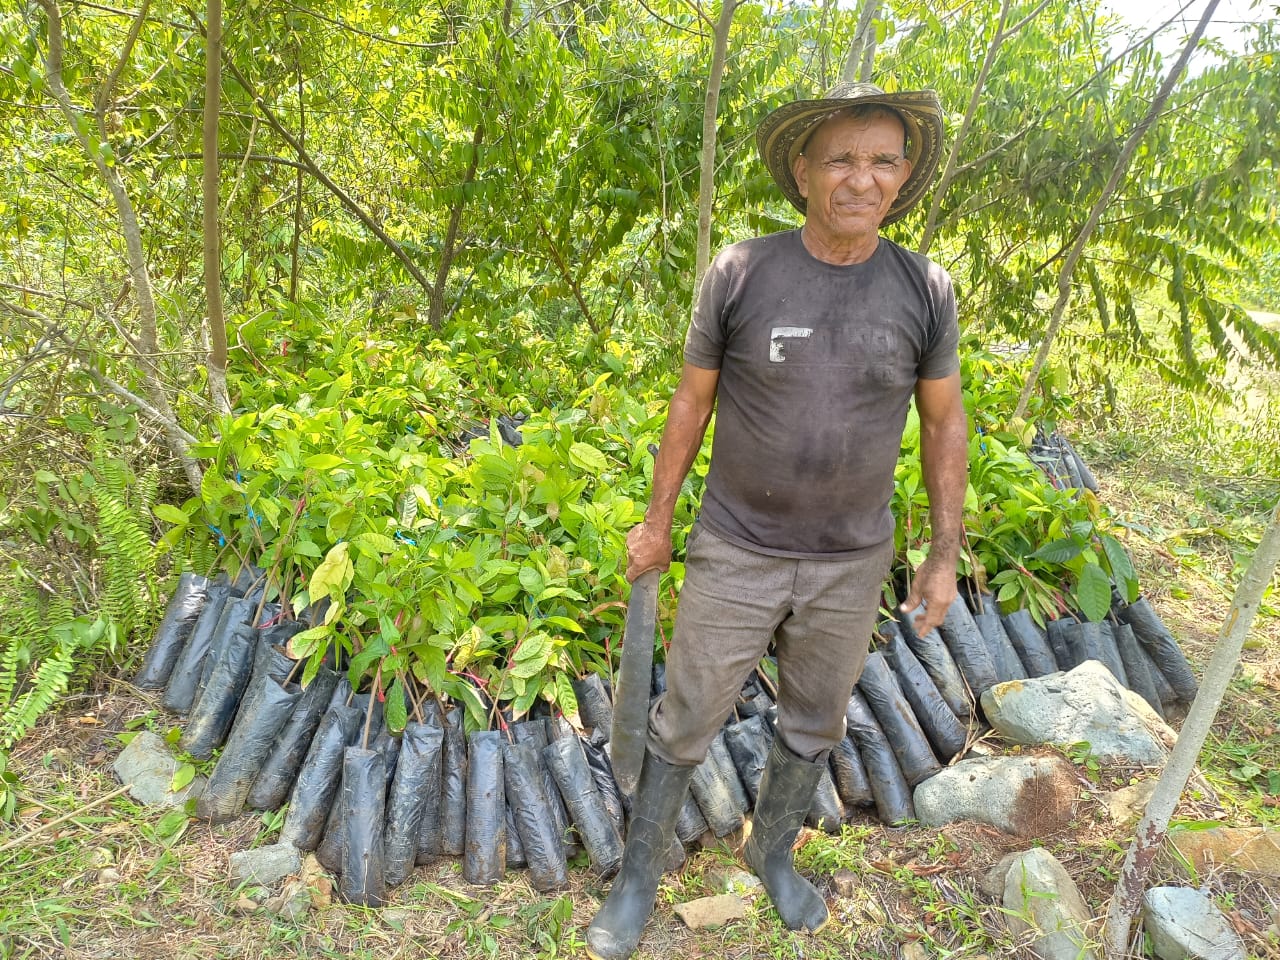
[{"x": 811, "y": 342}]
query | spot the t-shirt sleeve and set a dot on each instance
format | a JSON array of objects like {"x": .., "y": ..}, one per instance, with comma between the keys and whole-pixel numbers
[
  {"x": 941, "y": 356},
  {"x": 704, "y": 342}
]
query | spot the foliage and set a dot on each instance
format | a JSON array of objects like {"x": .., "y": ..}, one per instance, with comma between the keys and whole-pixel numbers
[
  {"x": 536, "y": 171},
  {"x": 59, "y": 623}
]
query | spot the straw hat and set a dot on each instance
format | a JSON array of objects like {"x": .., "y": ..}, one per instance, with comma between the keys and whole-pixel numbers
[{"x": 781, "y": 136}]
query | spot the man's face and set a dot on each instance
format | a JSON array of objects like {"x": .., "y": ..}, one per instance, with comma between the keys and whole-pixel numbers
[{"x": 850, "y": 173}]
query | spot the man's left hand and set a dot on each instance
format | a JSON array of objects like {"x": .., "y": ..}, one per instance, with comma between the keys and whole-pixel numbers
[{"x": 934, "y": 585}]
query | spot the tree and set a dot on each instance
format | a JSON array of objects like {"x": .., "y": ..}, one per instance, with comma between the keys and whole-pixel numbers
[
  {"x": 1066, "y": 273},
  {"x": 706, "y": 171},
  {"x": 1154, "y": 825}
]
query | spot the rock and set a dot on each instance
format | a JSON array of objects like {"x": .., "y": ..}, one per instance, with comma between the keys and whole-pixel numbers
[
  {"x": 148, "y": 766},
  {"x": 1040, "y": 897},
  {"x": 846, "y": 883},
  {"x": 1250, "y": 849},
  {"x": 708, "y": 912},
  {"x": 294, "y": 900},
  {"x": 1024, "y": 796},
  {"x": 244, "y": 906},
  {"x": 317, "y": 881},
  {"x": 1086, "y": 704},
  {"x": 914, "y": 951},
  {"x": 265, "y": 865},
  {"x": 1126, "y": 804},
  {"x": 728, "y": 879},
  {"x": 1183, "y": 923},
  {"x": 992, "y": 882}
]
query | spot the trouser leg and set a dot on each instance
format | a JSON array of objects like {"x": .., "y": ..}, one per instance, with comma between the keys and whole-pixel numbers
[
  {"x": 731, "y": 604},
  {"x": 822, "y": 647}
]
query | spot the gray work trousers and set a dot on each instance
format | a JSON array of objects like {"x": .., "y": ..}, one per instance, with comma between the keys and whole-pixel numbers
[{"x": 819, "y": 613}]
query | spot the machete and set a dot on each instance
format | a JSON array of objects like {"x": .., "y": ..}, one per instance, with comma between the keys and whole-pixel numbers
[{"x": 631, "y": 692}]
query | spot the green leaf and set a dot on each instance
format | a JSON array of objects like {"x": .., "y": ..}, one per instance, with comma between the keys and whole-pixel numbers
[
  {"x": 395, "y": 711},
  {"x": 560, "y": 692},
  {"x": 1058, "y": 551},
  {"x": 1094, "y": 592},
  {"x": 333, "y": 574},
  {"x": 170, "y": 514},
  {"x": 586, "y": 457},
  {"x": 531, "y": 580},
  {"x": 565, "y": 623},
  {"x": 185, "y": 773},
  {"x": 323, "y": 461}
]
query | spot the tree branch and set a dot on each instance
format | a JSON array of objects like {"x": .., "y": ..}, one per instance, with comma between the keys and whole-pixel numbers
[
  {"x": 1095, "y": 214},
  {"x": 343, "y": 197}
]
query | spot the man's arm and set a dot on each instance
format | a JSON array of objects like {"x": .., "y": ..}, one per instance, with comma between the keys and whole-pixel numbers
[
  {"x": 944, "y": 458},
  {"x": 649, "y": 542}
]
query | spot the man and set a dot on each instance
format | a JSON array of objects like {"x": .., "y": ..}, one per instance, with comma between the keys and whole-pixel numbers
[{"x": 812, "y": 343}]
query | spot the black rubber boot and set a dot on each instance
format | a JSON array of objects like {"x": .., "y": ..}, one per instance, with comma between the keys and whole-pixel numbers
[
  {"x": 786, "y": 793},
  {"x": 616, "y": 929}
]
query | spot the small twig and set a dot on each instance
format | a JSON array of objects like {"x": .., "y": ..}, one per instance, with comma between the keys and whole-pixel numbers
[
  {"x": 768, "y": 684},
  {"x": 19, "y": 841}
]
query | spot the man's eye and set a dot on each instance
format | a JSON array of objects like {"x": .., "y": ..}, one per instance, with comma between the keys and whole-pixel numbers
[
  {"x": 885, "y": 164},
  {"x": 839, "y": 163}
]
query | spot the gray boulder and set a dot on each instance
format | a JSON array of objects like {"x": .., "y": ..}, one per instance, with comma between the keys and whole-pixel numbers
[
  {"x": 1183, "y": 923},
  {"x": 1041, "y": 898},
  {"x": 1024, "y": 796},
  {"x": 1086, "y": 704},
  {"x": 147, "y": 766}
]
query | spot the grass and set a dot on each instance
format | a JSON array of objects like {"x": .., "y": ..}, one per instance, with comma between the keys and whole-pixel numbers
[{"x": 1191, "y": 485}]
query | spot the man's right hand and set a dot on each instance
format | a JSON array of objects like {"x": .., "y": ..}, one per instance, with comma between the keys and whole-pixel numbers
[{"x": 648, "y": 548}]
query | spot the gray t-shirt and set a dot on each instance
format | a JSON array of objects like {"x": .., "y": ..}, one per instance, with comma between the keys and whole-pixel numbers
[{"x": 817, "y": 366}]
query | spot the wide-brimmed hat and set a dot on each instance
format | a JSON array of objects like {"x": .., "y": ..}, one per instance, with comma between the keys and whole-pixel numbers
[{"x": 781, "y": 136}]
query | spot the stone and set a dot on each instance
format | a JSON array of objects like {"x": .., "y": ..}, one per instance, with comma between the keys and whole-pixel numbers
[
  {"x": 914, "y": 950},
  {"x": 992, "y": 882},
  {"x": 708, "y": 912},
  {"x": 265, "y": 865},
  {"x": 1041, "y": 898},
  {"x": 1086, "y": 705},
  {"x": 147, "y": 766},
  {"x": 730, "y": 879},
  {"x": 293, "y": 902},
  {"x": 1023, "y": 796},
  {"x": 317, "y": 881},
  {"x": 1249, "y": 849},
  {"x": 1183, "y": 923},
  {"x": 1126, "y": 804},
  {"x": 845, "y": 883}
]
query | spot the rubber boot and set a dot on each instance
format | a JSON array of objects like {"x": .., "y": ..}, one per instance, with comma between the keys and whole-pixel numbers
[
  {"x": 616, "y": 929},
  {"x": 786, "y": 793}
]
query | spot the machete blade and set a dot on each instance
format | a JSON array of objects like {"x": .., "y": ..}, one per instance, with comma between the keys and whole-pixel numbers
[{"x": 631, "y": 691}]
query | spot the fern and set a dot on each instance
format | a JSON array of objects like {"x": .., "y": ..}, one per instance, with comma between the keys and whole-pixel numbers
[
  {"x": 10, "y": 653},
  {"x": 47, "y": 683}
]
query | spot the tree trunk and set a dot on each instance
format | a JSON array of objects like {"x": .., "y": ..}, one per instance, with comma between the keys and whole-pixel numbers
[
  {"x": 861, "y": 58},
  {"x": 448, "y": 250},
  {"x": 217, "y": 362},
  {"x": 1154, "y": 826},
  {"x": 146, "y": 343},
  {"x": 1095, "y": 214},
  {"x": 707, "y": 170}
]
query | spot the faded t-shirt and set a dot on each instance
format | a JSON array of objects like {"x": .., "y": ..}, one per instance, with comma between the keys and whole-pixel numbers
[{"x": 817, "y": 366}]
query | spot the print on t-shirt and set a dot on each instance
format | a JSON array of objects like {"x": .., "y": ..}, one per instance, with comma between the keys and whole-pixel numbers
[{"x": 778, "y": 338}]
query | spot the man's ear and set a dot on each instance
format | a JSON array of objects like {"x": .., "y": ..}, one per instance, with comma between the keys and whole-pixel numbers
[{"x": 800, "y": 170}]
